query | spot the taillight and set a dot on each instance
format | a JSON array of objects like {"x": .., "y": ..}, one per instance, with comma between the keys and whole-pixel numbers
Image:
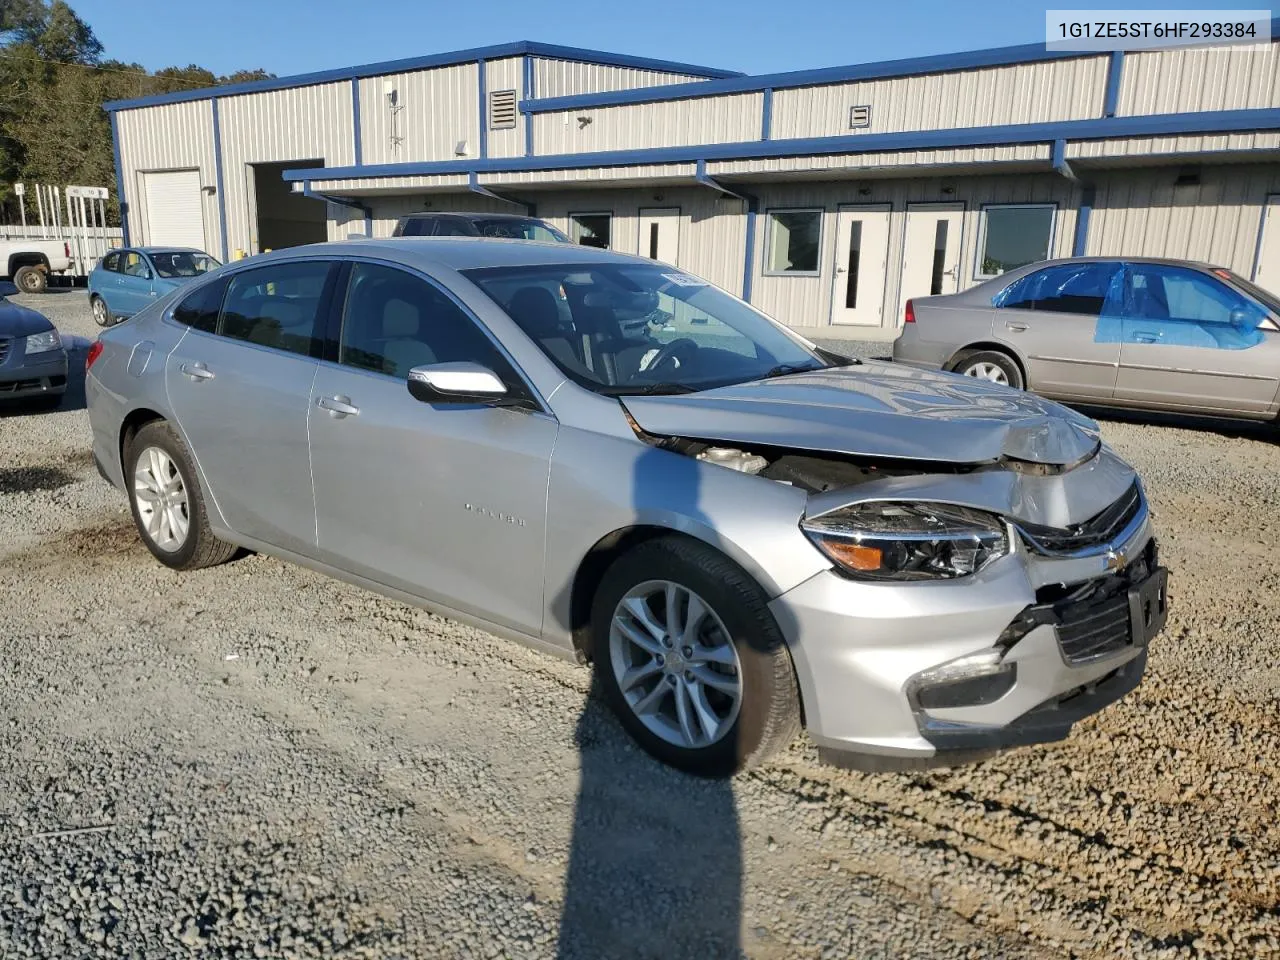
[
  {"x": 66, "y": 250},
  {"x": 95, "y": 351},
  {"x": 909, "y": 315}
]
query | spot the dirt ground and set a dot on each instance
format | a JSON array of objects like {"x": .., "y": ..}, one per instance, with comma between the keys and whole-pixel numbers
[{"x": 256, "y": 761}]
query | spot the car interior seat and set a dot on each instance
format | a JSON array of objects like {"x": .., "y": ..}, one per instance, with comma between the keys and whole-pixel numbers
[
  {"x": 536, "y": 311},
  {"x": 403, "y": 345}
]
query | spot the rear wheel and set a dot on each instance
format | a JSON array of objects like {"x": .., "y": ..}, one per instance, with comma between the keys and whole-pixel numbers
[
  {"x": 31, "y": 279},
  {"x": 167, "y": 503},
  {"x": 101, "y": 312},
  {"x": 692, "y": 661},
  {"x": 990, "y": 365}
]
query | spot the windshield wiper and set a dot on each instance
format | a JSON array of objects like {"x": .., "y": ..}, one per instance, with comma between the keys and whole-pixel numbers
[
  {"x": 656, "y": 389},
  {"x": 782, "y": 369}
]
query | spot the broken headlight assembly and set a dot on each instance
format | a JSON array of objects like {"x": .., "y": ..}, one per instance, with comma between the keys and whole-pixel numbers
[{"x": 908, "y": 541}]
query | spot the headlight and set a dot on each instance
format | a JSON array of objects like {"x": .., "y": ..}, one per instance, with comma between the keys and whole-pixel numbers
[
  {"x": 43, "y": 342},
  {"x": 908, "y": 541}
]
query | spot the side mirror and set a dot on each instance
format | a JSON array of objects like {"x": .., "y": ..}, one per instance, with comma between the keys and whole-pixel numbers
[
  {"x": 1244, "y": 318},
  {"x": 8, "y": 288},
  {"x": 456, "y": 383}
]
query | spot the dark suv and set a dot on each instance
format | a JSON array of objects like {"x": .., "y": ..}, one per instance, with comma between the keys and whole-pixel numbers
[{"x": 508, "y": 225}]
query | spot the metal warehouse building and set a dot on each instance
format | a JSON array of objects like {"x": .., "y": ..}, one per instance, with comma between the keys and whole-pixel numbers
[{"x": 826, "y": 197}]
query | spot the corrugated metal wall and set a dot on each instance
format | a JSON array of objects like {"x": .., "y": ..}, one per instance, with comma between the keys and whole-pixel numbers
[
  {"x": 505, "y": 75},
  {"x": 1152, "y": 147},
  {"x": 303, "y": 123},
  {"x": 805, "y": 302},
  {"x": 726, "y": 119},
  {"x": 1142, "y": 213},
  {"x": 1022, "y": 153},
  {"x": 177, "y": 136},
  {"x": 1186, "y": 80},
  {"x": 440, "y": 108},
  {"x": 652, "y": 171},
  {"x": 1026, "y": 93},
  {"x": 563, "y": 78}
]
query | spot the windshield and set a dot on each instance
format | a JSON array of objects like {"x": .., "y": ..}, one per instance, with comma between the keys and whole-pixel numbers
[
  {"x": 180, "y": 264},
  {"x": 1264, "y": 297},
  {"x": 620, "y": 328},
  {"x": 521, "y": 230}
]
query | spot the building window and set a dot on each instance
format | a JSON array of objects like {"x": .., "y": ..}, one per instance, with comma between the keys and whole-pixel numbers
[
  {"x": 591, "y": 229},
  {"x": 795, "y": 237},
  {"x": 1013, "y": 235}
]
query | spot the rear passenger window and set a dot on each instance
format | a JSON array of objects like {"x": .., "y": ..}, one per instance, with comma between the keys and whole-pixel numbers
[
  {"x": 277, "y": 306},
  {"x": 200, "y": 310},
  {"x": 1079, "y": 288},
  {"x": 416, "y": 227},
  {"x": 111, "y": 262}
]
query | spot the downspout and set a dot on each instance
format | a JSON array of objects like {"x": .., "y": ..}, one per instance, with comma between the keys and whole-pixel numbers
[
  {"x": 342, "y": 202},
  {"x": 753, "y": 207},
  {"x": 1088, "y": 193}
]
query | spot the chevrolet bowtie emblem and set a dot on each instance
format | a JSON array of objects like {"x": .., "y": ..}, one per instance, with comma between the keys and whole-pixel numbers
[{"x": 1115, "y": 560}]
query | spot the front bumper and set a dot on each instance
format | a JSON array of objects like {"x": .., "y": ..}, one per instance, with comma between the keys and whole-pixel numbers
[
  {"x": 862, "y": 650},
  {"x": 44, "y": 374}
]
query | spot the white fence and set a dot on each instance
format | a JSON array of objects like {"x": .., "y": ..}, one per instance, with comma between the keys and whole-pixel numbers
[
  {"x": 74, "y": 215},
  {"x": 86, "y": 249}
]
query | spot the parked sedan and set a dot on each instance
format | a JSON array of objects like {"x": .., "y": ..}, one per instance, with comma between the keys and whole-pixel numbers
[
  {"x": 126, "y": 281},
  {"x": 1153, "y": 334},
  {"x": 508, "y": 226},
  {"x": 33, "y": 360},
  {"x": 737, "y": 529}
]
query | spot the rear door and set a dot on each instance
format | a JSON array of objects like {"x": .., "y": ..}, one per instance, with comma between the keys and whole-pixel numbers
[
  {"x": 1192, "y": 342},
  {"x": 446, "y": 501},
  {"x": 1064, "y": 321},
  {"x": 240, "y": 396}
]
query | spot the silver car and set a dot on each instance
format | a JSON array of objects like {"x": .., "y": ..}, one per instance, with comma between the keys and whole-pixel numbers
[
  {"x": 1149, "y": 334},
  {"x": 742, "y": 532}
]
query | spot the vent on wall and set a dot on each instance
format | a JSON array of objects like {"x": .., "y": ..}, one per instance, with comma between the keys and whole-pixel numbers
[
  {"x": 860, "y": 117},
  {"x": 502, "y": 110}
]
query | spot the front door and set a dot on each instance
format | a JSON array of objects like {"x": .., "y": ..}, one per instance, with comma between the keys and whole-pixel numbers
[
  {"x": 1192, "y": 342},
  {"x": 930, "y": 251},
  {"x": 241, "y": 397},
  {"x": 134, "y": 285},
  {"x": 862, "y": 252},
  {"x": 444, "y": 501},
  {"x": 660, "y": 233}
]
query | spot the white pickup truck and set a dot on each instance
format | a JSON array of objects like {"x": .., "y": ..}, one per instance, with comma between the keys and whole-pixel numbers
[{"x": 28, "y": 263}]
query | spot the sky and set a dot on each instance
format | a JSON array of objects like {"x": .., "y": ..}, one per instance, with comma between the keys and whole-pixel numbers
[{"x": 754, "y": 36}]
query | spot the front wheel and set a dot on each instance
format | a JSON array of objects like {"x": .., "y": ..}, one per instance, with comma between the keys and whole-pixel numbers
[
  {"x": 991, "y": 365},
  {"x": 691, "y": 660},
  {"x": 101, "y": 312},
  {"x": 31, "y": 280}
]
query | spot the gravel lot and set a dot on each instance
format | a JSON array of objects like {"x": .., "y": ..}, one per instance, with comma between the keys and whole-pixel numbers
[{"x": 255, "y": 761}]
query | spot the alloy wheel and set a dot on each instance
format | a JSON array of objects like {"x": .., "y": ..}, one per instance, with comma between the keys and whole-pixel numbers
[
  {"x": 676, "y": 664},
  {"x": 99, "y": 312},
  {"x": 162, "y": 499},
  {"x": 988, "y": 371}
]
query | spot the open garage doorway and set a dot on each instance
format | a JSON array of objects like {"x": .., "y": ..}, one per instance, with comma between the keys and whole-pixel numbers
[{"x": 280, "y": 217}]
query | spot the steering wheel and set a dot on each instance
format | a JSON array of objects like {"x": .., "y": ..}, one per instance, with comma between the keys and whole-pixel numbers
[{"x": 673, "y": 351}]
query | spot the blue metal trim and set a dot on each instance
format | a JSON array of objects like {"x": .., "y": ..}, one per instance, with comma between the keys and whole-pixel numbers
[
  {"x": 217, "y": 177},
  {"x": 766, "y": 114},
  {"x": 484, "y": 110},
  {"x": 1081, "y": 240},
  {"x": 342, "y": 202},
  {"x": 1175, "y": 123},
  {"x": 1115, "y": 71},
  {"x": 120, "y": 200},
  {"x": 527, "y": 92},
  {"x": 453, "y": 58},
  {"x": 355, "y": 119},
  {"x": 753, "y": 207}
]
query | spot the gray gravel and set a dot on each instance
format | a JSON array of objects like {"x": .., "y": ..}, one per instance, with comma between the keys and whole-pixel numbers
[{"x": 255, "y": 761}]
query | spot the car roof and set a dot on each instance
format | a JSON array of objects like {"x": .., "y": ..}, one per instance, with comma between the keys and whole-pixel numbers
[
  {"x": 457, "y": 253},
  {"x": 155, "y": 250},
  {"x": 467, "y": 215}
]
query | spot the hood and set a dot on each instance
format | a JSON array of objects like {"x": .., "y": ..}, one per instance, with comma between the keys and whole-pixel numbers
[
  {"x": 20, "y": 321},
  {"x": 877, "y": 409}
]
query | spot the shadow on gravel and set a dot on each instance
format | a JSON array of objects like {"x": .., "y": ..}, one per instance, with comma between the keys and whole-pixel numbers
[
  {"x": 34, "y": 479},
  {"x": 101, "y": 541}
]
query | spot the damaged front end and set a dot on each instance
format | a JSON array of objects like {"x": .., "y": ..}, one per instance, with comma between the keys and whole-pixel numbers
[{"x": 970, "y": 606}]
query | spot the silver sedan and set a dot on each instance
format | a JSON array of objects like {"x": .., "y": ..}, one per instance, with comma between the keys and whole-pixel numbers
[
  {"x": 617, "y": 462},
  {"x": 1148, "y": 334}
]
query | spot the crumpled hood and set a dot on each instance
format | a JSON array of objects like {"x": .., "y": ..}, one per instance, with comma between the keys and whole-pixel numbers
[
  {"x": 878, "y": 409},
  {"x": 20, "y": 321}
]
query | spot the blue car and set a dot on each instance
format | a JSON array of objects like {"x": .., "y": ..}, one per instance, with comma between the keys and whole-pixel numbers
[{"x": 125, "y": 281}]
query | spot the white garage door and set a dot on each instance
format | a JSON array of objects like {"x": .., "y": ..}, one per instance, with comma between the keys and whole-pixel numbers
[{"x": 175, "y": 213}]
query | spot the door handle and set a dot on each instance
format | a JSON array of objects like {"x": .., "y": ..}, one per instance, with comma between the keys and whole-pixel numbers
[
  {"x": 338, "y": 407},
  {"x": 1146, "y": 337},
  {"x": 1017, "y": 327},
  {"x": 841, "y": 270},
  {"x": 197, "y": 371}
]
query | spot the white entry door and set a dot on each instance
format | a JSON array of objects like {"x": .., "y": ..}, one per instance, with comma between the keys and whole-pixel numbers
[
  {"x": 659, "y": 233},
  {"x": 175, "y": 210},
  {"x": 1267, "y": 272},
  {"x": 862, "y": 253},
  {"x": 930, "y": 252}
]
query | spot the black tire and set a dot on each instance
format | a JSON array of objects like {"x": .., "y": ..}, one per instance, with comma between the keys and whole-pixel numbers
[
  {"x": 102, "y": 315},
  {"x": 970, "y": 359},
  {"x": 768, "y": 717},
  {"x": 31, "y": 279},
  {"x": 201, "y": 548}
]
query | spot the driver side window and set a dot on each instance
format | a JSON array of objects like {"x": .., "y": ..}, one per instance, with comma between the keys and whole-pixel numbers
[
  {"x": 134, "y": 266},
  {"x": 393, "y": 321}
]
